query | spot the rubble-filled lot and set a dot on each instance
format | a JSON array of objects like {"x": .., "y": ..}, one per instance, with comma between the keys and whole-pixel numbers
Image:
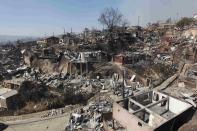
[{"x": 72, "y": 69}]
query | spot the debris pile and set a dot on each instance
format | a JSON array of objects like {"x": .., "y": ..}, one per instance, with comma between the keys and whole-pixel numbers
[{"x": 89, "y": 117}]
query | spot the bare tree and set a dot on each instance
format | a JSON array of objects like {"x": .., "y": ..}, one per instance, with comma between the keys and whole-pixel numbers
[{"x": 110, "y": 18}]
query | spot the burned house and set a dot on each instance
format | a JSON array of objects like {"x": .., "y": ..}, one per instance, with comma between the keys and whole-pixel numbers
[
  {"x": 52, "y": 41},
  {"x": 131, "y": 58},
  {"x": 152, "y": 111},
  {"x": 82, "y": 60},
  {"x": 69, "y": 39},
  {"x": 13, "y": 84},
  {"x": 188, "y": 76},
  {"x": 41, "y": 42},
  {"x": 66, "y": 39},
  {"x": 48, "y": 52},
  {"x": 93, "y": 56},
  {"x": 165, "y": 25},
  {"x": 190, "y": 54}
]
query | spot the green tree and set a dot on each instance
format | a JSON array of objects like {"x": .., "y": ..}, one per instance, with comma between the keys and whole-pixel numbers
[{"x": 184, "y": 22}]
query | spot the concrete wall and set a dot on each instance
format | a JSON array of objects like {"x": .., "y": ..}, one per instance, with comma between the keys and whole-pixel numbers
[
  {"x": 177, "y": 106},
  {"x": 175, "y": 123},
  {"x": 27, "y": 60},
  {"x": 127, "y": 120},
  {"x": 161, "y": 96},
  {"x": 3, "y": 103},
  {"x": 144, "y": 99},
  {"x": 131, "y": 122}
]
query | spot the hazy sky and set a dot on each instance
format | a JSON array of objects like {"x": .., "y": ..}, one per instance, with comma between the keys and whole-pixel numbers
[{"x": 40, "y": 17}]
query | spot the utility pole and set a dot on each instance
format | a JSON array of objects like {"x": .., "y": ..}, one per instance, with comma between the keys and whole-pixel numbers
[
  {"x": 64, "y": 31},
  {"x": 138, "y": 21},
  {"x": 123, "y": 88},
  {"x": 177, "y": 15},
  {"x": 71, "y": 30}
]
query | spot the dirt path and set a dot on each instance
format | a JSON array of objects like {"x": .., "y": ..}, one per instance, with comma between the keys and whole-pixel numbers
[
  {"x": 35, "y": 121},
  {"x": 55, "y": 124}
]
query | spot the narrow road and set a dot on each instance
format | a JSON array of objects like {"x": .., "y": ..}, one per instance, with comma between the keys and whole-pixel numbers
[{"x": 51, "y": 124}]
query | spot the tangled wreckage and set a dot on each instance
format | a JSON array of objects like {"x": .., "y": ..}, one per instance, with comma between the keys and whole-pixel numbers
[{"x": 149, "y": 84}]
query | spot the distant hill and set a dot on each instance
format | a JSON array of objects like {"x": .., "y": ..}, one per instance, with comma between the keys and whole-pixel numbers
[{"x": 11, "y": 38}]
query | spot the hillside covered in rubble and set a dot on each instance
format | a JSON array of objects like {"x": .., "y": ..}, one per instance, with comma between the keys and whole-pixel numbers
[{"x": 121, "y": 77}]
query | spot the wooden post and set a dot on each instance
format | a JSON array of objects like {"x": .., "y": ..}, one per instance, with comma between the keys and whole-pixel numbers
[
  {"x": 70, "y": 69},
  {"x": 81, "y": 68},
  {"x": 87, "y": 67}
]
